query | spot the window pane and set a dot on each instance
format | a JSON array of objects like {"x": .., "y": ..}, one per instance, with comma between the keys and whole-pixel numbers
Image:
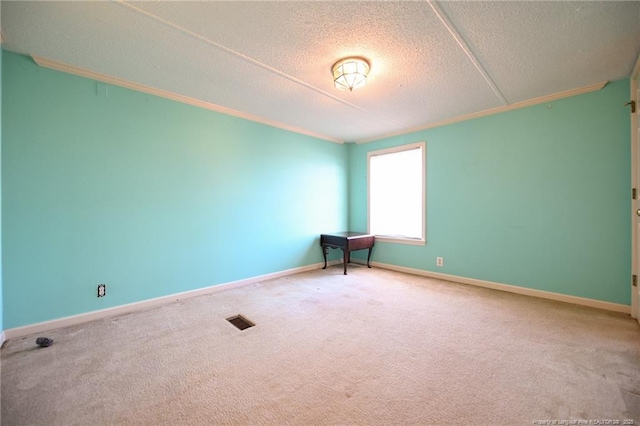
[{"x": 395, "y": 194}]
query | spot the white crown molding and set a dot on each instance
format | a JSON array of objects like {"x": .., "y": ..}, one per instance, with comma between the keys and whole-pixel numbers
[
  {"x": 583, "y": 301},
  {"x": 70, "y": 69},
  {"x": 14, "y": 333},
  {"x": 523, "y": 104}
]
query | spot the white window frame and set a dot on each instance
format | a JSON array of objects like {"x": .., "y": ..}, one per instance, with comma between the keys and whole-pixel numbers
[{"x": 392, "y": 239}]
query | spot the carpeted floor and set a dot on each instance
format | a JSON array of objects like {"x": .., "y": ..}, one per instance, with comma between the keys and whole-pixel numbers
[{"x": 374, "y": 347}]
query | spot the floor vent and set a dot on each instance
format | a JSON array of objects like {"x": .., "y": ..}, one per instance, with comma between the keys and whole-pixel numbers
[{"x": 240, "y": 322}]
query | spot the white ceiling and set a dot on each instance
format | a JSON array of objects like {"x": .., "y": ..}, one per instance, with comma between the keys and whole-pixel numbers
[{"x": 430, "y": 61}]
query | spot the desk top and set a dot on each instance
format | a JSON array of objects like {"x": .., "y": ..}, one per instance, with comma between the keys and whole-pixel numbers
[
  {"x": 349, "y": 234},
  {"x": 348, "y": 242}
]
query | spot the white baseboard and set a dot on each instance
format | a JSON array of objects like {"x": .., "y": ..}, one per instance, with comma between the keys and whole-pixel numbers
[
  {"x": 576, "y": 300},
  {"x": 17, "y": 332},
  {"x": 40, "y": 327},
  {"x": 2, "y": 339}
]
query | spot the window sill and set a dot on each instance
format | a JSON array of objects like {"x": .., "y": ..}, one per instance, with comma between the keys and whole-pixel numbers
[{"x": 398, "y": 240}]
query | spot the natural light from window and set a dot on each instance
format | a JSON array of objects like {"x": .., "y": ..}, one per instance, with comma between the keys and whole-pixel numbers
[{"x": 396, "y": 192}]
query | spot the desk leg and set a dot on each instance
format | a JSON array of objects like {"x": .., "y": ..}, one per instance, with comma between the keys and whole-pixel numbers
[
  {"x": 324, "y": 254},
  {"x": 345, "y": 259},
  {"x": 369, "y": 257}
]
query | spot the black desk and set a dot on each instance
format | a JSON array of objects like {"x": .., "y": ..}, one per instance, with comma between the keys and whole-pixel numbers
[{"x": 348, "y": 242}]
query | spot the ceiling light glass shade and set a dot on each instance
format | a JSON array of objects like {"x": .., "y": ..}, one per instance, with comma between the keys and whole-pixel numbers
[{"x": 350, "y": 73}]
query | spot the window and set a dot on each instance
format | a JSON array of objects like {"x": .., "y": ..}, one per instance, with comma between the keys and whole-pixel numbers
[{"x": 397, "y": 193}]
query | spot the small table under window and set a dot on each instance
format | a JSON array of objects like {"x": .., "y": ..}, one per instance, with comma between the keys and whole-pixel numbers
[{"x": 348, "y": 242}]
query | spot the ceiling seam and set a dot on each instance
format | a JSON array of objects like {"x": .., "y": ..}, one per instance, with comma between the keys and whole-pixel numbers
[
  {"x": 467, "y": 50},
  {"x": 247, "y": 58}
]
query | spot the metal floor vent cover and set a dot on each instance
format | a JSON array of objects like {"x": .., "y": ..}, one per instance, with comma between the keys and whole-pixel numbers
[{"x": 240, "y": 322}]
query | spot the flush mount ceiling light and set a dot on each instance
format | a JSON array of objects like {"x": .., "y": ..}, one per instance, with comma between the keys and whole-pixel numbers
[{"x": 350, "y": 73}]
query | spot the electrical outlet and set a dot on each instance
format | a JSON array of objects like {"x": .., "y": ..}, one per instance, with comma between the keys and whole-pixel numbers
[
  {"x": 439, "y": 261},
  {"x": 102, "y": 290}
]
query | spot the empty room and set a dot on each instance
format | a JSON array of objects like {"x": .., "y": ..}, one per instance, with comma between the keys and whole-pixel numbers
[{"x": 319, "y": 212}]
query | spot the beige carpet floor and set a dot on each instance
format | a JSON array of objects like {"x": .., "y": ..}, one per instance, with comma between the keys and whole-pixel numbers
[{"x": 374, "y": 347}]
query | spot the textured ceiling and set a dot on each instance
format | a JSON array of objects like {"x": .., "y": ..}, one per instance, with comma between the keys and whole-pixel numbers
[{"x": 430, "y": 61}]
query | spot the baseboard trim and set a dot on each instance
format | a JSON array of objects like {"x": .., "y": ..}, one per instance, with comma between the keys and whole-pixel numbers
[
  {"x": 576, "y": 300},
  {"x": 13, "y": 333},
  {"x": 2, "y": 339},
  {"x": 27, "y": 330}
]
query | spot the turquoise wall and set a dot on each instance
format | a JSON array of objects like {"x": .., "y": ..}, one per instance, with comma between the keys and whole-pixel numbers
[
  {"x": 537, "y": 197},
  {"x": 102, "y": 184},
  {"x": 153, "y": 197}
]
